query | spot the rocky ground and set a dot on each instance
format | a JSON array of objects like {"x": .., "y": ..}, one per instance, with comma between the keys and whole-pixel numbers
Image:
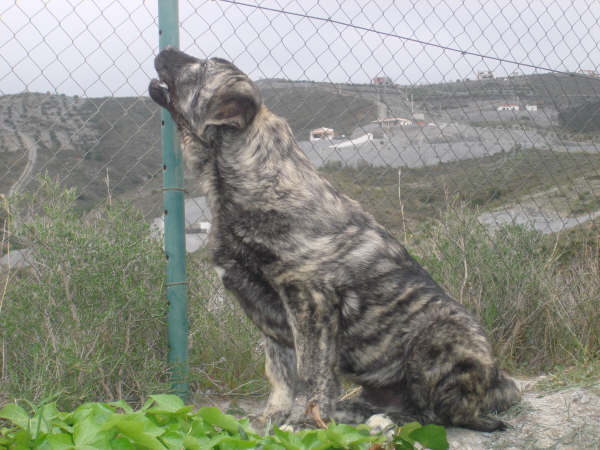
[{"x": 563, "y": 419}]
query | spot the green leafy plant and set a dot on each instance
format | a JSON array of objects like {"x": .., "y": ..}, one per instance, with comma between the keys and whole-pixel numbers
[{"x": 165, "y": 422}]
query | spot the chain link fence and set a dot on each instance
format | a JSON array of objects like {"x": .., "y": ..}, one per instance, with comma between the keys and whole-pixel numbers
[
  {"x": 409, "y": 107},
  {"x": 420, "y": 87}
]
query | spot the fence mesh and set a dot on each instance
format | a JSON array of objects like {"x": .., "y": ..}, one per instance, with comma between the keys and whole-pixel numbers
[
  {"x": 400, "y": 86},
  {"x": 407, "y": 107}
]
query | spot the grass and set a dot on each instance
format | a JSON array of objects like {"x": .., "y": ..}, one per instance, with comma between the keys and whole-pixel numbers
[
  {"x": 490, "y": 182},
  {"x": 87, "y": 320},
  {"x": 540, "y": 314},
  {"x": 582, "y": 374},
  {"x": 585, "y": 202},
  {"x": 224, "y": 345}
]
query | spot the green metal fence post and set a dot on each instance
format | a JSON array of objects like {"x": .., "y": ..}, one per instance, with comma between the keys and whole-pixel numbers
[{"x": 168, "y": 24}]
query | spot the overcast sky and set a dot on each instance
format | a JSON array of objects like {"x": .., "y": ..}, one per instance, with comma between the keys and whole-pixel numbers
[{"x": 105, "y": 47}]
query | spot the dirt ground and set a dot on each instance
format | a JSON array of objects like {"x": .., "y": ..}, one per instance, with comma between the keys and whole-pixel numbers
[
  {"x": 561, "y": 419},
  {"x": 564, "y": 419}
]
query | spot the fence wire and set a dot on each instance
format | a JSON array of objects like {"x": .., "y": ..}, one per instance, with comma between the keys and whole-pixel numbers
[
  {"x": 401, "y": 86},
  {"x": 406, "y": 106}
]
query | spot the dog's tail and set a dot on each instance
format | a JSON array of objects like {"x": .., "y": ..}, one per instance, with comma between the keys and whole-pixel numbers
[{"x": 502, "y": 394}]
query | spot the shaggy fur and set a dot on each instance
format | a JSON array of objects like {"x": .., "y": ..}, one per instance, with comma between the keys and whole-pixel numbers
[{"x": 334, "y": 294}]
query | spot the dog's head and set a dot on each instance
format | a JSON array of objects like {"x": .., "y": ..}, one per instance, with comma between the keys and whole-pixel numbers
[{"x": 203, "y": 94}]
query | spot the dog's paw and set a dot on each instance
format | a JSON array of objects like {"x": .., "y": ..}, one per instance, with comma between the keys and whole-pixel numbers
[
  {"x": 305, "y": 415},
  {"x": 266, "y": 420},
  {"x": 300, "y": 423},
  {"x": 275, "y": 417}
]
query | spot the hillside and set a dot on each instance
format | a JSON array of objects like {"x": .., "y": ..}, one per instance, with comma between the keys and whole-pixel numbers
[
  {"x": 316, "y": 106},
  {"x": 82, "y": 140}
]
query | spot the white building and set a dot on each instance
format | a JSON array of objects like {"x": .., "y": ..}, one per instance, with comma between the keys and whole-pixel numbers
[
  {"x": 532, "y": 108},
  {"x": 508, "y": 108},
  {"x": 590, "y": 73},
  {"x": 321, "y": 133},
  {"x": 382, "y": 81},
  {"x": 393, "y": 122}
]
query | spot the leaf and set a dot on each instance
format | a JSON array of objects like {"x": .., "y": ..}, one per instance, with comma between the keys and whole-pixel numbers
[
  {"x": 20, "y": 440},
  {"x": 173, "y": 439},
  {"x": 431, "y": 436},
  {"x": 137, "y": 427},
  {"x": 403, "y": 444},
  {"x": 121, "y": 443},
  {"x": 316, "y": 440},
  {"x": 406, "y": 429},
  {"x": 272, "y": 446},
  {"x": 88, "y": 433},
  {"x": 233, "y": 443},
  {"x": 346, "y": 435},
  {"x": 290, "y": 440},
  {"x": 242, "y": 433},
  {"x": 16, "y": 415},
  {"x": 215, "y": 417},
  {"x": 123, "y": 405},
  {"x": 44, "y": 420},
  {"x": 99, "y": 411},
  {"x": 167, "y": 402},
  {"x": 60, "y": 441},
  {"x": 194, "y": 443}
]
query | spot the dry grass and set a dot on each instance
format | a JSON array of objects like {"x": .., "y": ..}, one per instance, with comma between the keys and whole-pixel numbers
[
  {"x": 86, "y": 321},
  {"x": 539, "y": 313}
]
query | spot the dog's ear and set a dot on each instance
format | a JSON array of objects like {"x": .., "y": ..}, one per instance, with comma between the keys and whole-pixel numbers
[{"x": 233, "y": 105}]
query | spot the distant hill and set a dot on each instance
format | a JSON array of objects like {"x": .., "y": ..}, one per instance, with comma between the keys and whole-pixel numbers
[
  {"x": 559, "y": 90},
  {"x": 82, "y": 140},
  {"x": 582, "y": 118},
  {"x": 310, "y": 106}
]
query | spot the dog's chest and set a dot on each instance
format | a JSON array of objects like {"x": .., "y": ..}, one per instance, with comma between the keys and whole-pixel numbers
[{"x": 249, "y": 236}]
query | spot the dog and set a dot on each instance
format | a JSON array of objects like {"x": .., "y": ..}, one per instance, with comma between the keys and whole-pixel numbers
[{"x": 334, "y": 294}]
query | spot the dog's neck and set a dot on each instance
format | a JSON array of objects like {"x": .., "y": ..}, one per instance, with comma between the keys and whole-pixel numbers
[{"x": 251, "y": 162}]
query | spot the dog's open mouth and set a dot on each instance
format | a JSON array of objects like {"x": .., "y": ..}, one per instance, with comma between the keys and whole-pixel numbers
[{"x": 159, "y": 92}]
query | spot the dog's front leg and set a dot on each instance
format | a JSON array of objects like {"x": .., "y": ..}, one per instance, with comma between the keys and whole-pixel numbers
[
  {"x": 280, "y": 368},
  {"x": 315, "y": 327},
  {"x": 264, "y": 307}
]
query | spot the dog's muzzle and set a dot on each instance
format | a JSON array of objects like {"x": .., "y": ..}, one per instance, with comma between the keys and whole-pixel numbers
[{"x": 159, "y": 92}]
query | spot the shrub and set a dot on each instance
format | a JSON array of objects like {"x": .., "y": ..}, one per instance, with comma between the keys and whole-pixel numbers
[
  {"x": 87, "y": 319},
  {"x": 581, "y": 118},
  {"x": 538, "y": 315}
]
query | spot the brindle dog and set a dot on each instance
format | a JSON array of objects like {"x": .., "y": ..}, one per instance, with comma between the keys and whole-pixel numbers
[{"x": 334, "y": 294}]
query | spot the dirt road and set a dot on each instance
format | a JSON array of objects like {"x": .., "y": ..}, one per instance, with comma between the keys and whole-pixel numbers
[{"x": 31, "y": 147}]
